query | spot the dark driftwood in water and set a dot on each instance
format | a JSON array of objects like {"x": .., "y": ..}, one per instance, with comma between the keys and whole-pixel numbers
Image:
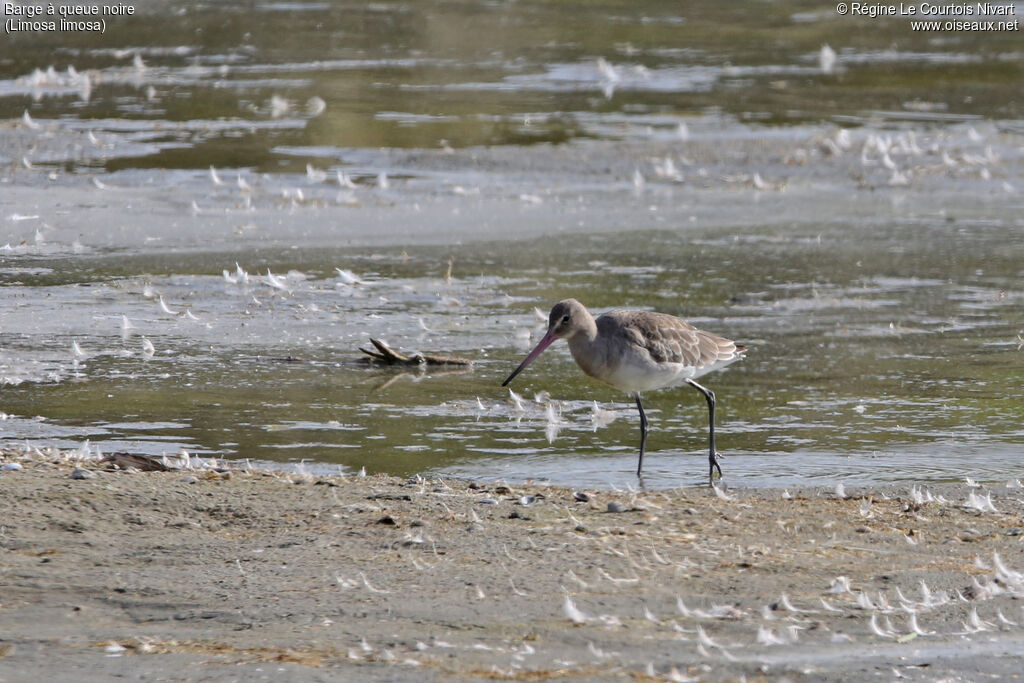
[
  {"x": 385, "y": 354},
  {"x": 125, "y": 461}
]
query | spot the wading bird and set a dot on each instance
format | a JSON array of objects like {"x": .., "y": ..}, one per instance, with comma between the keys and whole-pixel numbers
[{"x": 638, "y": 351}]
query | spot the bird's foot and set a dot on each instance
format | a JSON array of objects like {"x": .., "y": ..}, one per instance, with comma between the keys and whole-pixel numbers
[{"x": 715, "y": 466}]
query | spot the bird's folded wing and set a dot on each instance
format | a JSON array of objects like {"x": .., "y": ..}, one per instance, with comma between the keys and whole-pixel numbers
[{"x": 671, "y": 340}]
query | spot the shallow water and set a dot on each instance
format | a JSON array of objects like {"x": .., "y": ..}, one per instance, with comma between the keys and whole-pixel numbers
[
  {"x": 874, "y": 273},
  {"x": 233, "y": 83}
]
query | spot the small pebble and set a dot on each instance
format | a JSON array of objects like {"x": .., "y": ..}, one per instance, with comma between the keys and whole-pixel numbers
[
  {"x": 616, "y": 507},
  {"x": 488, "y": 501},
  {"x": 79, "y": 473},
  {"x": 581, "y": 497},
  {"x": 387, "y": 519},
  {"x": 527, "y": 500},
  {"x": 503, "y": 490},
  {"x": 475, "y": 526},
  {"x": 417, "y": 522},
  {"x": 12, "y": 466},
  {"x": 189, "y": 480}
]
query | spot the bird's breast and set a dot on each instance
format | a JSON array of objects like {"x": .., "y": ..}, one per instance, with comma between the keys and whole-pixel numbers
[{"x": 591, "y": 358}]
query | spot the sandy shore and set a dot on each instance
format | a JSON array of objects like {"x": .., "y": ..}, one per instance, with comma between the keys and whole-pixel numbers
[{"x": 205, "y": 575}]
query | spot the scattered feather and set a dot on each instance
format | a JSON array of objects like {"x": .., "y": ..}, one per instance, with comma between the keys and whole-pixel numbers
[
  {"x": 572, "y": 613},
  {"x": 839, "y": 585},
  {"x": 826, "y": 59},
  {"x": 315, "y": 106},
  {"x": 878, "y": 630},
  {"x": 348, "y": 277},
  {"x": 976, "y": 502},
  {"x": 27, "y": 121},
  {"x": 345, "y": 181}
]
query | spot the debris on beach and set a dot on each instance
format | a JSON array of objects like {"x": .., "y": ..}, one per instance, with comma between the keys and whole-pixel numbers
[{"x": 132, "y": 461}]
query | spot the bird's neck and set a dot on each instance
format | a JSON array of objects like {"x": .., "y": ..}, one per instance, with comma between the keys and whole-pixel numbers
[
  {"x": 587, "y": 332},
  {"x": 584, "y": 347}
]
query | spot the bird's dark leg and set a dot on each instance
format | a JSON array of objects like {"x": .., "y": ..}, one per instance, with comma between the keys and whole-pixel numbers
[
  {"x": 643, "y": 434},
  {"x": 712, "y": 452}
]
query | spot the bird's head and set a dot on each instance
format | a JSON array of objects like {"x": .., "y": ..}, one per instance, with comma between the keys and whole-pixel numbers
[{"x": 567, "y": 317}]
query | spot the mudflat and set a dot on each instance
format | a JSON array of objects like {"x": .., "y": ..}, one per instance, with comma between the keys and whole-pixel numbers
[{"x": 243, "y": 575}]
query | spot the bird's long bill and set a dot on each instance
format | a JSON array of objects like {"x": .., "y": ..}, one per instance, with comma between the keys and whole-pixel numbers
[{"x": 544, "y": 343}]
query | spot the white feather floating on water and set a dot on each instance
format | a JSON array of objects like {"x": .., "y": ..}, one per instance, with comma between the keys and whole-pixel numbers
[
  {"x": 315, "y": 175},
  {"x": 600, "y": 417},
  {"x": 26, "y": 119},
  {"x": 277, "y": 282},
  {"x": 517, "y": 401},
  {"x": 638, "y": 180},
  {"x": 345, "y": 181},
  {"x": 315, "y": 106},
  {"x": 279, "y": 107},
  {"x": 348, "y": 277},
  {"x": 827, "y": 59}
]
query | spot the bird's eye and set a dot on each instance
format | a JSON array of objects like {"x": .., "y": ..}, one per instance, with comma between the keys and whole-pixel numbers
[{"x": 565, "y": 318}]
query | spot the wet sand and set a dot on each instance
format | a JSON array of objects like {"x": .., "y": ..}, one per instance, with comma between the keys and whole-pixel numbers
[{"x": 250, "y": 575}]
